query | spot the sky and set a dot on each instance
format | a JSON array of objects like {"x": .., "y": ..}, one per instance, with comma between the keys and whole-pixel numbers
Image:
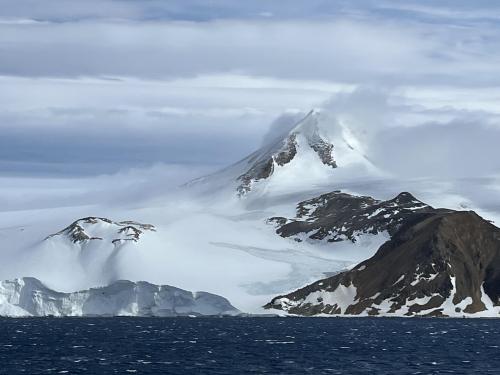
[{"x": 111, "y": 86}]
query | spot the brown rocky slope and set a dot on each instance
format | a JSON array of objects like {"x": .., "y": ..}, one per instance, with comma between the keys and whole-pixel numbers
[{"x": 438, "y": 263}]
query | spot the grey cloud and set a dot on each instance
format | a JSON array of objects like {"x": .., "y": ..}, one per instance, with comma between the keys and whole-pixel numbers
[
  {"x": 343, "y": 50},
  {"x": 409, "y": 141},
  {"x": 75, "y": 146},
  {"x": 86, "y": 126},
  {"x": 74, "y": 127},
  {"x": 197, "y": 10},
  {"x": 457, "y": 149},
  {"x": 202, "y": 10}
]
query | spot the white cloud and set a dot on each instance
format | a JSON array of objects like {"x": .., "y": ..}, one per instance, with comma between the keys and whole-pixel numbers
[{"x": 126, "y": 188}]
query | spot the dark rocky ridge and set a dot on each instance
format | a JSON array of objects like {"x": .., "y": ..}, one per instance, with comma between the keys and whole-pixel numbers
[
  {"x": 263, "y": 167},
  {"x": 338, "y": 216},
  {"x": 441, "y": 263},
  {"x": 322, "y": 148}
]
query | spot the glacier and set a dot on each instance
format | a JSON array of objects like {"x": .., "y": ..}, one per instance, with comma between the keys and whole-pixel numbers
[{"x": 30, "y": 297}]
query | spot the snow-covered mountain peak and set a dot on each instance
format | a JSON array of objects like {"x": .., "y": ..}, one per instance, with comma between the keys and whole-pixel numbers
[
  {"x": 309, "y": 152},
  {"x": 308, "y": 126},
  {"x": 102, "y": 229},
  {"x": 313, "y": 154}
]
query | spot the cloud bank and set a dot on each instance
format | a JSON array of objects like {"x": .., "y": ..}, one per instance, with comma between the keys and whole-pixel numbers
[
  {"x": 92, "y": 87},
  {"x": 411, "y": 142}
]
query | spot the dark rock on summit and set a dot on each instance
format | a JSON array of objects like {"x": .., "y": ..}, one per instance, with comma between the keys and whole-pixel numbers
[
  {"x": 262, "y": 166},
  {"x": 262, "y": 163},
  {"x": 322, "y": 148}
]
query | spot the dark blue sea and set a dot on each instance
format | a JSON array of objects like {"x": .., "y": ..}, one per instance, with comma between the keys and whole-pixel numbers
[{"x": 249, "y": 346}]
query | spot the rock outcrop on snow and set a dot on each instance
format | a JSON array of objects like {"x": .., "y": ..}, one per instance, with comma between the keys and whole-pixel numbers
[
  {"x": 102, "y": 229},
  {"x": 338, "y": 216}
]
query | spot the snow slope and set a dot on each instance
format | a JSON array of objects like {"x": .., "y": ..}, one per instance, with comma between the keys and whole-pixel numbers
[{"x": 222, "y": 246}]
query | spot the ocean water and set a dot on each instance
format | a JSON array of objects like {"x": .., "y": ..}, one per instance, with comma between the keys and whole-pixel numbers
[{"x": 249, "y": 346}]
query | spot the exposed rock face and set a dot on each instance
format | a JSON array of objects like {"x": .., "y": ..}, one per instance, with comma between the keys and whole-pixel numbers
[
  {"x": 339, "y": 216},
  {"x": 287, "y": 152},
  {"x": 436, "y": 264},
  {"x": 102, "y": 229},
  {"x": 262, "y": 164},
  {"x": 29, "y": 297},
  {"x": 322, "y": 148}
]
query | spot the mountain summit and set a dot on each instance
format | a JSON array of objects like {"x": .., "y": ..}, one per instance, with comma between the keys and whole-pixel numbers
[
  {"x": 304, "y": 137},
  {"x": 318, "y": 150},
  {"x": 308, "y": 153}
]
